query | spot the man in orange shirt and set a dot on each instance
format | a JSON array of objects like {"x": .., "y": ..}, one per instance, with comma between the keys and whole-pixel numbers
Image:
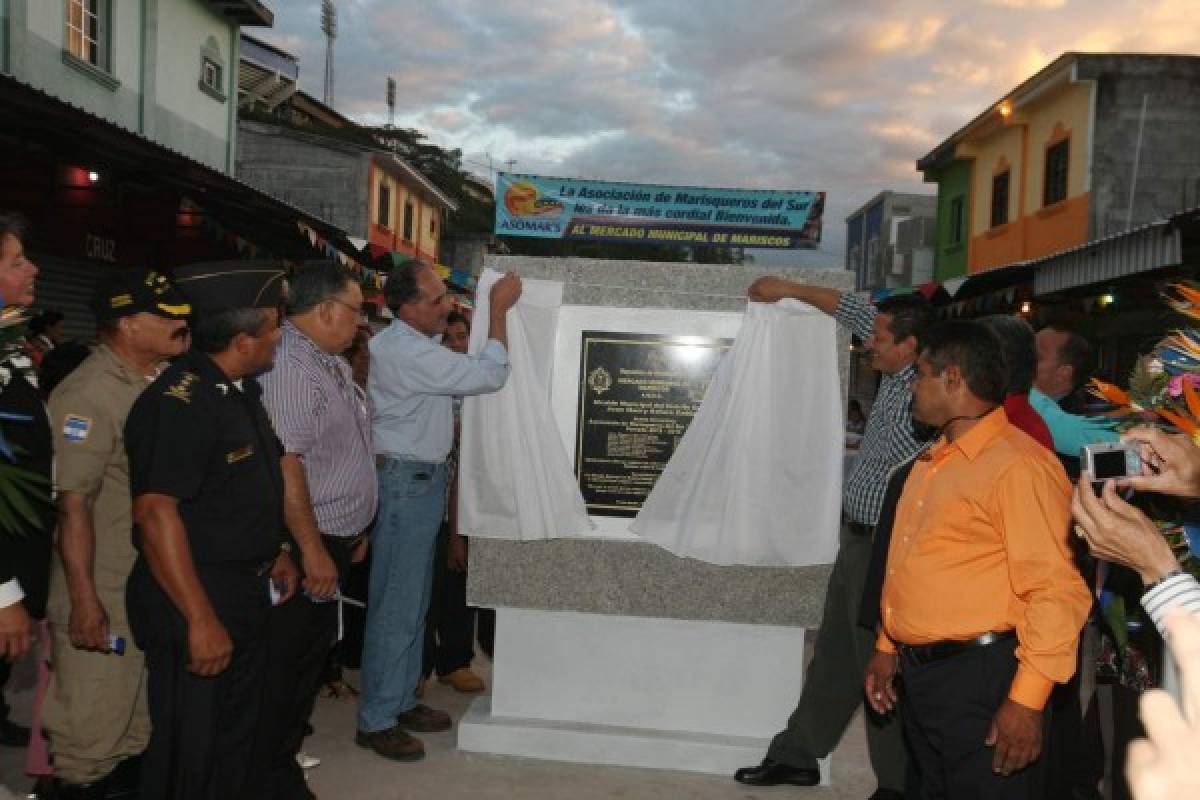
[{"x": 982, "y": 605}]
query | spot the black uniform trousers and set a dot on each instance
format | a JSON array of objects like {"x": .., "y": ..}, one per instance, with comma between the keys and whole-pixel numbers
[
  {"x": 203, "y": 728},
  {"x": 301, "y": 635},
  {"x": 5, "y": 671},
  {"x": 948, "y": 710},
  {"x": 450, "y": 622}
]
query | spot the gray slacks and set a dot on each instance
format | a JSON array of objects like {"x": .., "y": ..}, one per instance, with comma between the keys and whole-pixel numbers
[{"x": 833, "y": 684}]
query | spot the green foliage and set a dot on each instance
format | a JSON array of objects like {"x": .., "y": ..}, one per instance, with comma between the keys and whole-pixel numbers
[{"x": 21, "y": 493}]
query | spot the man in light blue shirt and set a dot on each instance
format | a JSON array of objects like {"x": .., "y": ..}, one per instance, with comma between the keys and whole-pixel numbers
[
  {"x": 412, "y": 385},
  {"x": 1063, "y": 360}
]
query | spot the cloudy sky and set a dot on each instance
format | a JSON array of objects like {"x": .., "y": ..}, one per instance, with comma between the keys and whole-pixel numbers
[{"x": 786, "y": 94}]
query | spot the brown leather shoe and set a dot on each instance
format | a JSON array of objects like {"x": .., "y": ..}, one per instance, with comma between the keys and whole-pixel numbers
[
  {"x": 394, "y": 743},
  {"x": 423, "y": 719},
  {"x": 463, "y": 680}
]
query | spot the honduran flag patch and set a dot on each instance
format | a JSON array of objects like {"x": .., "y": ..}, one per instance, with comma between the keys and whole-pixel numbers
[{"x": 76, "y": 428}]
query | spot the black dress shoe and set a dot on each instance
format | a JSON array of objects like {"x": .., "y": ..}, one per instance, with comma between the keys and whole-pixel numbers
[
  {"x": 772, "y": 773},
  {"x": 90, "y": 791},
  {"x": 12, "y": 734},
  {"x": 123, "y": 781}
]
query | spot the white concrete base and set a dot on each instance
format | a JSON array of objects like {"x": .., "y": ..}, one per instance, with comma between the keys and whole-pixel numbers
[
  {"x": 685, "y": 695},
  {"x": 482, "y": 732}
]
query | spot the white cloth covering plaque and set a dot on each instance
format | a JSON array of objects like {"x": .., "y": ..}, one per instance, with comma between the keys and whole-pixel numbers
[
  {"x": 515, "y": 478},
  {"x": 757, "y": 477}
]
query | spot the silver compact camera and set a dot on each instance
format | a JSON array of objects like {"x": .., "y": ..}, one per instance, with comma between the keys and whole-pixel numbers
[{"x": 1110, "y": 461}]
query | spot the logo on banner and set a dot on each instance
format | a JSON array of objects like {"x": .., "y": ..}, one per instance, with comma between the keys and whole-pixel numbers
[{"x": 522, "y": 199}]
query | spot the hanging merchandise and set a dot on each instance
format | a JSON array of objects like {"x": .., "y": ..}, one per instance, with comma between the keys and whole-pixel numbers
[
  {"x": 515, "y": 479},
  {"x": 756, "y": 480},
  {"x": 331, "y": 251}
]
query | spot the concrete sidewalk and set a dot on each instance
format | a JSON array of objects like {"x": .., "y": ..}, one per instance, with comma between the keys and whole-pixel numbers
[{"x": 348, "y": 772}]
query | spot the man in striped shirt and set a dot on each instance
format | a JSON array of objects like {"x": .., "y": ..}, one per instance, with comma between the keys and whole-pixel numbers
[
  {"x": 323, "y": 420},
  {"x": 833, "y": 685}
]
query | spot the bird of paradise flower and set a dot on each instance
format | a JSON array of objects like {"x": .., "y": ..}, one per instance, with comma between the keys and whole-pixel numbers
[{"x": 21, "y": 491}]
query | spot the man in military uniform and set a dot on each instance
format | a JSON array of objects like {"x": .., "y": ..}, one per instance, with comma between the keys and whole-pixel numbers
[
  {"x": 204, "y": 470},
  {"x": 95, "y": 712}
]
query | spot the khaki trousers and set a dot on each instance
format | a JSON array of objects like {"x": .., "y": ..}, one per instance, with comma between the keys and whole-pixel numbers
[{"x": 95, "y": 714}]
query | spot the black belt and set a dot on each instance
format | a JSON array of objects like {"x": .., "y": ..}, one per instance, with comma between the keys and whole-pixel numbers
[
  {"x": 921, "y": 654},
  {"x": 858, "y": 528},
  {"x": 347, "y": 543},
  {"x": 255, "y": 568}
]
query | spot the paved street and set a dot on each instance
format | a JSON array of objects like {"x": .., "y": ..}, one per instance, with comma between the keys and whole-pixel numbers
[{"x": 350, "y": 773}]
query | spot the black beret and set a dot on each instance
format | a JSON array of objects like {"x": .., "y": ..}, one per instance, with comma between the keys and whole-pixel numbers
[
  {"x": 225, "y": 285},
  {"x": 121, "y": 293}
]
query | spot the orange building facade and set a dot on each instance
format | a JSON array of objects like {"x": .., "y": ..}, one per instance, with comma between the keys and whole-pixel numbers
[
  {"x": 407, "y": 212},
  {"x": 1029, "y": 158}
]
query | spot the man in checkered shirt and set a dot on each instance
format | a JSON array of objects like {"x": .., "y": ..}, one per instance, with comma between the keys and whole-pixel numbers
[{"x": 833, "y": 687}]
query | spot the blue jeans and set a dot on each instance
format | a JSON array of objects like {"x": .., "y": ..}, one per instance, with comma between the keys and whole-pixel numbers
[{"x": 412, "y": 502}]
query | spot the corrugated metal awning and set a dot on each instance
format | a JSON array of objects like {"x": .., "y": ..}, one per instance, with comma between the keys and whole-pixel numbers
[{"x": 1153, "y": 246}]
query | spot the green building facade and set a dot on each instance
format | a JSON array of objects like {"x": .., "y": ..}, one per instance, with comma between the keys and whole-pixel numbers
[
  {"x": 953, "y": 179},
  {"x": 166, "y": 69}
]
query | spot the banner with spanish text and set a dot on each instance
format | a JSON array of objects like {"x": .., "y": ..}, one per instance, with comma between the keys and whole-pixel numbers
[{"x": 565, "y": 208}]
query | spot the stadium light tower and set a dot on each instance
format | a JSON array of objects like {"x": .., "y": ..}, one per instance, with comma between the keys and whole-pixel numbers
[{"x": 329, "y": 28}]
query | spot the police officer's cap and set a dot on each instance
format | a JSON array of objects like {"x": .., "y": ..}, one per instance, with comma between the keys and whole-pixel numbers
[
  {"x": 125, "y": 292},
  {"x": 225, "y": 285}
]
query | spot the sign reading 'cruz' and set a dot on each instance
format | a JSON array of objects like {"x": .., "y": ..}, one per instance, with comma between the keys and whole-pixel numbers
[{"x": 563, "y": 208}]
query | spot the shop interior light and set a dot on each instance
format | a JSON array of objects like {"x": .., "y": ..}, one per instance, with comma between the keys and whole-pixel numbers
[
  {"x": 1107, "y": 299},
  {"x": 1026, "y": 307},
  {"x": 94, "y": 176}
]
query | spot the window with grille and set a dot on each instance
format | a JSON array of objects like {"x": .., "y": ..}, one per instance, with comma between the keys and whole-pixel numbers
[
  {"x": 1000, "y": 199},
  {"x": 384, "y": 210},
  {"x": 1055, "y": 188},
  {"x": 211, "y": 74},
  {"x": 86, "y": 31},
  {"x": 212, "y": 70},
  {"x": 957, "y": 219}
]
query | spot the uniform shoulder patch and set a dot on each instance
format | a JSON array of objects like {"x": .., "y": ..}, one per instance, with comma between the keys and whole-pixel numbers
[
  {"x": 76, "y": 428},
  {"x": 182, "y": 389}
]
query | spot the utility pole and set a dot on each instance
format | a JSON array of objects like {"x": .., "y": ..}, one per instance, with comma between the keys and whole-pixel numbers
[
  {"x": 1137, "y": 158},
  {"x": 329, "y": 28}
]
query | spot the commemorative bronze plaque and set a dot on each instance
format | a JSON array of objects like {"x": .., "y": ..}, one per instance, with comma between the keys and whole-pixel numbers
[{"x": 638, "y": 393}]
